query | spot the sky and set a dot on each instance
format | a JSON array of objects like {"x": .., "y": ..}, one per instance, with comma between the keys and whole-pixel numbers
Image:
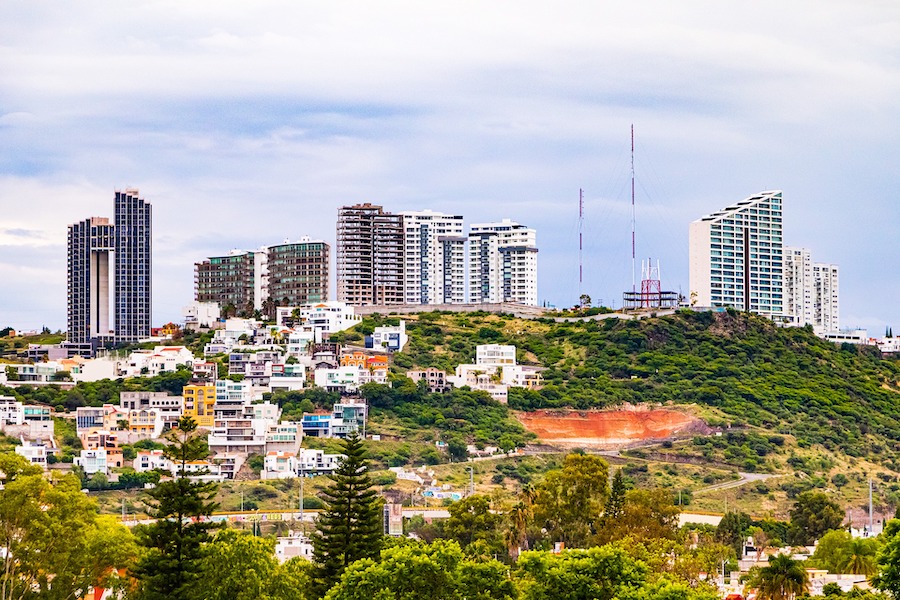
[{"x": 248, "y": 123}]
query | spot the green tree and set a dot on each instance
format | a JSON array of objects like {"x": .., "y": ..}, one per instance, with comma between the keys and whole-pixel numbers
[
  {"x": 518, "y": 518},
  {"x": 350, "y": 528},
  {"x": 732, "y": 530},
  {"x": 861, "y": 556},
  {"x": 174, "y": 542},
  {"x": 645, "y": 514},
  {"x": 600, "y": 573},
  {"x": 471, "y": 520},
  {"x": 414, "y": 571},
  {"x": 616, "y": 501},
  {"x": 54, "y": 546},
  {"x": 812, "y": 515},
  {"x": 888, "y": 577},
  {"x": 830, "y": 551},
  {"x": 569, "y": 502},
  {"x": 239, "y": 566},
  {"x": 782, "y": 579}
]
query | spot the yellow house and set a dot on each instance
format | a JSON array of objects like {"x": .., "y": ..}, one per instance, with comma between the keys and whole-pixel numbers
[{"x": 198, "y": 403}]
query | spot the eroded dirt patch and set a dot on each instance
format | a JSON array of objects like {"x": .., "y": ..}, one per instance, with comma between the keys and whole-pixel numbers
[{"x": 611, "y": 429}]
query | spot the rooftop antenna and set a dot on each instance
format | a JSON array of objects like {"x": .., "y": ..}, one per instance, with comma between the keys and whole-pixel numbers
[
  {"x": 633, "y": 289},
  {"x": 580, "y": 246}
]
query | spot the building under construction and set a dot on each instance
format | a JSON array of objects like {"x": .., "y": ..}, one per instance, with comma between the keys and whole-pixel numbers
[{"x": 369, "y": 256}]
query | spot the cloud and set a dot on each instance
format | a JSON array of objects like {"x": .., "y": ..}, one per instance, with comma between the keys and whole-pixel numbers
[{"x": 248, "y": 123}]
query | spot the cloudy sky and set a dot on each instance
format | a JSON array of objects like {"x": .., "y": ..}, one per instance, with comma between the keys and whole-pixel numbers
[{"x": 246, "y": 123}]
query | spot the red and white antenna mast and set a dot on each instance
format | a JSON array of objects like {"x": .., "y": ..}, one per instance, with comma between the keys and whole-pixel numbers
[
  {"x": 580, "y": 246},
  {"x": 633, "y": 289}
]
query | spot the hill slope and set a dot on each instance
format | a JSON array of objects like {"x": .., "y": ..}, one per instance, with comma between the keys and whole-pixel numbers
[{"x": 782, "y": 379}]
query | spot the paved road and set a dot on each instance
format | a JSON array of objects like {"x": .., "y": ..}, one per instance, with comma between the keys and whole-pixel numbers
[{"x": 745, "y": 479}]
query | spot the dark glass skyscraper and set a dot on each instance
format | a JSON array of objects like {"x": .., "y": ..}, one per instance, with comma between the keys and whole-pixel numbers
[{"x": 92, "y": 286}]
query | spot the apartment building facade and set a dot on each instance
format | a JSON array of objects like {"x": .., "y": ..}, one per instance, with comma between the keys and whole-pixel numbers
[
  {"x": 109, "y": 274},
  {"x": 736, "y": 256},
  {"x": 369, "y": 256},
  {"x": 434, "y": 258},
  {"x": 298, "y": 272},
  {"x": 502, "y": 263},
  {"x": 290, "y": 273},
  {"x": 229, "y": 280}
]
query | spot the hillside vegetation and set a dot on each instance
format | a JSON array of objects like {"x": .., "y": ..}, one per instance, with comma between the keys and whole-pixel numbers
[{"x": 785, "y": 380}]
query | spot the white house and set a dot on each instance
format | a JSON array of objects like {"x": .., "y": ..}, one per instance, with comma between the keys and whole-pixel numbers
[
  {"x": 11, "y": 411},
  {"x": 288, "y": 377},
  {"x": 495, "y": 355},
  {"x": 326, "y": 317},
  {"x": 93, "y": 461},
  {"x": 151, "y": 460},
  {"x": 340, "y": 379},
  {"x": 34, "y": 452},
  {"x": 201, "y": 314},
  {"x": 279, "y": 465},
  {"x": 388, "y": 337},
  {"x": 307, "y": 461},
  {"x": 292, "y": 546}
]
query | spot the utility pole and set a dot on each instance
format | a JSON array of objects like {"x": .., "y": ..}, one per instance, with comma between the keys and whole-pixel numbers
[
  {"x": 870, "y": 507},
  {"x": 471, "y": 480},
  {"x": 302, "y": 524}
]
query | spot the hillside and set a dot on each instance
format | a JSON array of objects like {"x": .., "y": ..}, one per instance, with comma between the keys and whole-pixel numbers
[{"x": 784, "y": 380}]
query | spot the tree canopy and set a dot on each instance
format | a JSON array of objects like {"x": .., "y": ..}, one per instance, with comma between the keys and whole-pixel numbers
[{"x": 350, "y": 528}]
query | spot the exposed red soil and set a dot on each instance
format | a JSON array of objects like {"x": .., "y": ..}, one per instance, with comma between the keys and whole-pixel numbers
[{"x": 613, "y": 429}]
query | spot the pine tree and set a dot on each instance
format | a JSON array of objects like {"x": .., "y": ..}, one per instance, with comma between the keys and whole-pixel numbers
[
  {"x": 174, "y": 542},
  {"x": 351, "y": 527},
  {"x": 613, "y": 510},
  {"x": 616, "y": 500}
]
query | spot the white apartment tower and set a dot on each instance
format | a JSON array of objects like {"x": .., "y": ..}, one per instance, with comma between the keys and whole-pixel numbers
[
  {"x": 503, "y": 263},
  {"x": 434, "y": 258},
  {"x": 811, "y": 291},
  {"x": 798, "y": 293},
  {"x": 826, "y": 305},
  {"x": 736, "y": 256}
]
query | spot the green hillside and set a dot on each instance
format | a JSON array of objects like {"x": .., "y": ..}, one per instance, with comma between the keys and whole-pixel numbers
[{"x": 784, "y": 380}]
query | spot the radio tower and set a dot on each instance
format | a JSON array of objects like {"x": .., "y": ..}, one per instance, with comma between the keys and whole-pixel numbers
[
  {"x": 580, "y": 246},
  {"x": 651, "y": 294},
  {"x": 632, "y": 209}
]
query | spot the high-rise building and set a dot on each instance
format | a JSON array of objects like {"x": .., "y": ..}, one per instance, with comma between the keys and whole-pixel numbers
[
  {"x": 370, "y": 256},
  {"x": 298, "y": 272},
  {"x": 811, "y": 291},
  {"x": 503, "y": 263},
  {"x": 229, "y": 280},
  {"x": 421, "y": 257},
  {"x": 798, "y": 289},
  {"x": 434, "y": 263},
  {"x": 92, "y": 286},
  {"x": 291, "y": 273},
  {"x": 826, "y": 303},
  {"x": 736, "y": 256}
]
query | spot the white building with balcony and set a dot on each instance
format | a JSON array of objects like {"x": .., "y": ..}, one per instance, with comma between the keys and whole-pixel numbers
[
  {"x": 495, "y": 355},
  {"x": 434, "y": 258},
  {"x": 34, "y": 452},
  {"x": 388, "y": 337},
  {"x": 93, "y": 461},
  {"x": 737, "y": 259},
  {"x": 503, "y": 264}
]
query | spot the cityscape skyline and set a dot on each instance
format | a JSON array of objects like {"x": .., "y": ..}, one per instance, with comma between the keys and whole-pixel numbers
[{"x": 230, "y": 120}]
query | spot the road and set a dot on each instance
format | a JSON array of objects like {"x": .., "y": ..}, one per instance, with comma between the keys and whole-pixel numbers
[{"x": 745, "y": 479}]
